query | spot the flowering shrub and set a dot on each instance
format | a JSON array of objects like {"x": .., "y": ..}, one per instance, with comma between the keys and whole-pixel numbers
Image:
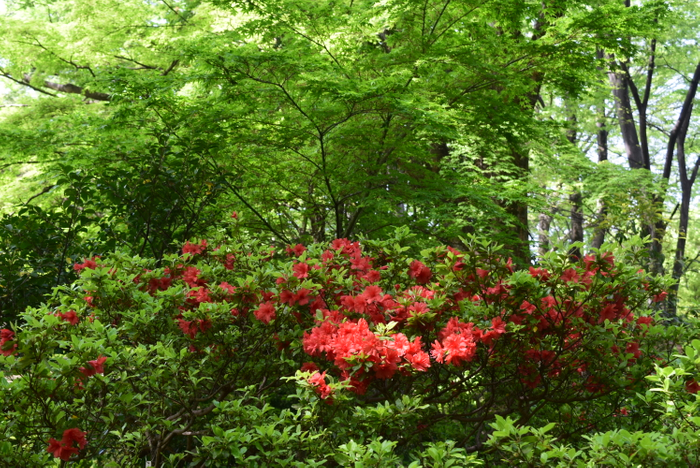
[
  {"x": 671, "y": 439},
  {"x": 234, "y": 354}
]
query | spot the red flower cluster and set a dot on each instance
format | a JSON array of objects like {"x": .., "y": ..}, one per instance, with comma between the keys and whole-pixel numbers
[
  {"x": 87, "y": 263},
  {"x": 301, "y": 270},
  {"x": 548, "y": 321},
  {"x": 459, "y": 340},
  {"x": 194, "y": 249},
  {"x": 318, "y": 380},
  {"x": 192, "y": 327},
  {"x": 295, "y": 251},
  {"x": 93, "y": 367},
  {"x": 266, "y": 312},
  {"x": 65, "y": 448},
  {"x": 7, "y": 344},
  {"x": 420, "y": 272},
  {"x": 692, "y": 386},
  {"x": 351, "y": 343},
  {"x": 70, "y": 317}
]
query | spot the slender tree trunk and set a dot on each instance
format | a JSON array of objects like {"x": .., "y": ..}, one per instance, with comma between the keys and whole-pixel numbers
[
  {"x": 628, "y": 129},
  {"x": 576, "y": 232},
  {"x": 518, "y": 210},
  {"x": 576, "y": 199},
  {"x": 545, "y": 222},
  {"x": 687, "y": 181},
  {"x": 602, "y": 150}
]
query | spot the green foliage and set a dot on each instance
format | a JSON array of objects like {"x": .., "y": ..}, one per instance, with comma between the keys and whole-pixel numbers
[
  {"x": 669, "y": 439},
  {"x": 196, "y": 358}
]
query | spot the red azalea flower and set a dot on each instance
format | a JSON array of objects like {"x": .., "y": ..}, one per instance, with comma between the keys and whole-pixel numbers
[
  {"x": 570, "y": 276},
  {"x": 266, "y": 312},
  {"x": 659, "y": 297},
  {"x": 297, "y": 250},
  {"x": 287, "y": 297},
  {"x": 420, "y": 272},
  {"x": 191, "y": 277},
  {"x": 70, "y": 317},
  {"x": 94, "y": 367},
  {"x": 87, "y": 263},
  {"x": 301, "y": 270},
  {"x": 645, "y": 321},
  {"x": 327, "y": 256},
  {"x": 302, "y": 296},
  {"x": 539, "y": 273},
  {"x": 309, "y": 367},
  {"x": 318, "y": 380},
  {"x": 229, "y": 261},
  {"x": 194, "y": 248},
  {"x": 7, "y": 346},
  {"x": 75, "y": 435},
  {"x": 633, "y": 349},
  {"x": 65, "y": 449},
  {"x": 61, "y": 451},
  {"x": 188, "y": 327},
  {"x": 692, "y": 386}
]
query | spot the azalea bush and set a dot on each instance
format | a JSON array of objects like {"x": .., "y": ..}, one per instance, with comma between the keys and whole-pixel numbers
[
  {"x": 672, "y": 439},
  {"x": 368, "y": 353}
]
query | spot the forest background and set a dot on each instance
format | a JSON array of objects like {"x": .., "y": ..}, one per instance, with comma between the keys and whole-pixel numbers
[
  {"x": 551, "y": 128},
  {"x": 140, "y": 124}
]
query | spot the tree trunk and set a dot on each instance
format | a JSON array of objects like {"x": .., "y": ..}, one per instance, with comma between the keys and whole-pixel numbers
[
  {"x": 545, "y": 221},
  {"x": 576, "y": 228},
  {"x": 602, "y": 141},
  {"x": 628, "y": 129},
  {"x": 576, "y": 231},
  {"x": 680, "y": 131},
  {"x": 518, "y": 210}
]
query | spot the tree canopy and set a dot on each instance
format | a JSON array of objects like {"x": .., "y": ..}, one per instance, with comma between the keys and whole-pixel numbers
[{"x": 141, "y": 123}]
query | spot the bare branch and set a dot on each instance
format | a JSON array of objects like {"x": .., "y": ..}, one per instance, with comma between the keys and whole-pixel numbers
[
  {"x": 26, "y": 83},
  {"x": 171, "y": 67},
  {"x": 142, "y": 65},
  {"x": 67, "y": 88}
]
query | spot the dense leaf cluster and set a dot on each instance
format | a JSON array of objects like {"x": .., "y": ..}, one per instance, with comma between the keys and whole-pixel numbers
[{"x": 234, "y": 354}]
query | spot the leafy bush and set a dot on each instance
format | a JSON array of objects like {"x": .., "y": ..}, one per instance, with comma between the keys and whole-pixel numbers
[
  {"x": 349, "y": 353},
  {"x": 671, "y": 440}
]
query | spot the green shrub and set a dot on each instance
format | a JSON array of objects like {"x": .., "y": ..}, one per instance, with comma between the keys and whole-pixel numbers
[{"x": 232, "y": 354}]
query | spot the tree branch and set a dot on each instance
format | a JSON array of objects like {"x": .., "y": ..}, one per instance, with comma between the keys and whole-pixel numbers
[
  {"x": 63, "y": 88},
  {"x": 684, "y": 114},
  {"x": 23, "y": 83}
]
